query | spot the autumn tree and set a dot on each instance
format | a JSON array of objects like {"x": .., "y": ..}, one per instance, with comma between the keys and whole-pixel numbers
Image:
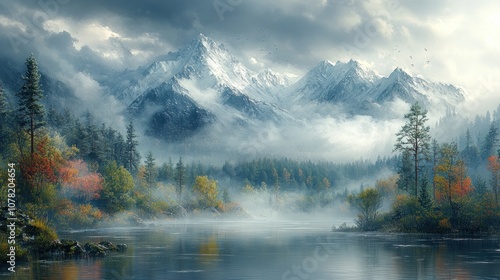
[
  {"x": 132, "y": 155},
  {"x": 31, "y": 111},
  {"x": 414, "y": 138},
  {"x": 387, "y": 187},
  {"x": 207, "y": 191},
  {"x": 116, "y": 192},
  {"x": 78, "y": 182},
  {"x": 39, "y": 176},
  {"x": 452, "y": 182},
  {"x": 368, "y": 202},
  {"x": 180, "y": 176}
]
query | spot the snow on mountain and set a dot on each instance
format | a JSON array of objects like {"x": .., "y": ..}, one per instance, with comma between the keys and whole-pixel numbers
[
  {"x": 204, "y": 83},
  {"x": 207, "y": 62},
  {"x": 335, "y": 82},
  {"x": 361, "y": 90},
  {"x": 268, "y": 86},
  {"x": 167, "y": 112},
  {"x": 411, "y": 89},
  {"x": 213, "y": 85}
]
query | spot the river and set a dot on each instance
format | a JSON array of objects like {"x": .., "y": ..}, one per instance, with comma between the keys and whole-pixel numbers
[{"x": 272, "y": 250}]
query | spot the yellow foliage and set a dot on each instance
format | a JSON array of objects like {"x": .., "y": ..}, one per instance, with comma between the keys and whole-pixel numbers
[
  {"x": 388, "y": 186},
  {"x": 206, "y": 190}
]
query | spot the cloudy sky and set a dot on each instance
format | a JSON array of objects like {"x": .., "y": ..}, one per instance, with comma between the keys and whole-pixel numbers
[{"x": 449, "y": 41}]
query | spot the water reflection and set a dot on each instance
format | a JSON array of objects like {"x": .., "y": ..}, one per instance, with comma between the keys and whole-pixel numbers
[{"x": 279, "y": 251}]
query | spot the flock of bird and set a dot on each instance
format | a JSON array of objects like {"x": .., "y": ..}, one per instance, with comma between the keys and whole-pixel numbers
[
  {"x": 397, "y": 51},
  {"x": 274, "y": 50}
]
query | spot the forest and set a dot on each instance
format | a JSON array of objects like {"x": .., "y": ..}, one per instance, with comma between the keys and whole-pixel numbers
[{"x": 76, "y": 172}]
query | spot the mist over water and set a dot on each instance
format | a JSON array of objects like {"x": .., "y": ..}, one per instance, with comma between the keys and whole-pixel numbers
[{"x": 271, "y": 249}]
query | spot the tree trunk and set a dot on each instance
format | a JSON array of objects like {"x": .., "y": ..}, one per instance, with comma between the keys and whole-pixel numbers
[{"x": 416, "y": 171}]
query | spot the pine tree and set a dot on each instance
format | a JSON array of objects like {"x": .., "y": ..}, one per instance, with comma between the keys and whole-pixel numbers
[
  {"x": 3, "y": 121},
  {"x": 424, "y": 198},
  {"x": 414, "y": 137},
  {"x": 93, "y": 141},
  {"x": 276, "y": 180},
  {"x": 470, "y": 152},
  {"x": 435, "y": 159},
  {"x": 180, "y": 177},
  {"x": 151, "y": 172},
  {"x": 133, "y": 156},
  {"x": 405, "y": 181},
  {"x": 490, "y": 142},
  {"x": 31, "y": 111},
  {"x": 3, "y": 102}
]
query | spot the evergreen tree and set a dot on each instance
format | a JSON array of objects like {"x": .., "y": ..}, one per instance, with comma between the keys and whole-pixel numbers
[
  {"x": 93, "y": 142},
  {"x": 166, "y": 171},
  {"x": 31, "y": 111},
  {"x": 133, "y": 156},
  {"x": 276, "y": 180},
  {"x": 435, "y": 159},
  {"x": 180, "y": 176},
  {"x": 405, "y": 181},
  {"x": 424, "y": 198},
  {"x": 3, "y": 103},
  {"x": 151, "y": 172},
  {"x": 470, "y": 152},
  {"x": 120, "y": 154},
  {"x": 4, "y": 121},
  {"x": 414, "y": 137},
  {"x": 490, "y": 142}
]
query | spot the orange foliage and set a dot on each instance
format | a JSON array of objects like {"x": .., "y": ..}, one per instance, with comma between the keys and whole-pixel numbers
[
  {"x": 77, "y": 181},
  {"x": 39, "y": 170},
  {"x": 454, "y": 183},
  {"x": 74, "y": 215}
]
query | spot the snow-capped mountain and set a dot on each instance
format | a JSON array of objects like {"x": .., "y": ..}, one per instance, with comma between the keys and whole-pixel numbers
[
  {"x": 189, "y": 89},
  {"x": 203, "y": 83},
  {"x": 359, "y": 89},
  {"x": 335, "y": 82},
  {"x": 207, "y": 62},
  {"x": 169, "y": 113},
  {"x": 410, "y": 89}
]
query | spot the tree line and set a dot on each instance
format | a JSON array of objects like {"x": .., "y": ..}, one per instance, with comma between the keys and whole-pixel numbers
[{"x": 434, "y": 191}]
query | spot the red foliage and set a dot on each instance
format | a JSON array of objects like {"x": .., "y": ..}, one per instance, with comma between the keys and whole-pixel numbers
[
  {"x": 453, "y": 184},
  {"x": 40, "y": 169},
  {"x": 77, "y": 181}
]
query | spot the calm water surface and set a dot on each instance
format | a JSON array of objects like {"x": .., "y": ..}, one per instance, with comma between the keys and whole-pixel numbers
[{"x": 272, "y": 250}]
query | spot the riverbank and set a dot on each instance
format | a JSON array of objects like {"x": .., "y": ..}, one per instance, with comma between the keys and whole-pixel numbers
[{"x": 24, "y": 238}]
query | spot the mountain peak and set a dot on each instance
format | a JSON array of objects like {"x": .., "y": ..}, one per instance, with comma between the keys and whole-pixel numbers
[
  {"x": 399, "y": 73},
  {"x": 206, "y": 44}
]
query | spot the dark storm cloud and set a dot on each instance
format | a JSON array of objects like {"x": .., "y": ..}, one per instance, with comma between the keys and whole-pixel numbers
[
  {"x": 277, "y": 33},
  {"x": 293, "y": 31}
]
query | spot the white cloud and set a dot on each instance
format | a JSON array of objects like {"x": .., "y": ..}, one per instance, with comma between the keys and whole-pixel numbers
[{"x": 91, "y": 34}]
